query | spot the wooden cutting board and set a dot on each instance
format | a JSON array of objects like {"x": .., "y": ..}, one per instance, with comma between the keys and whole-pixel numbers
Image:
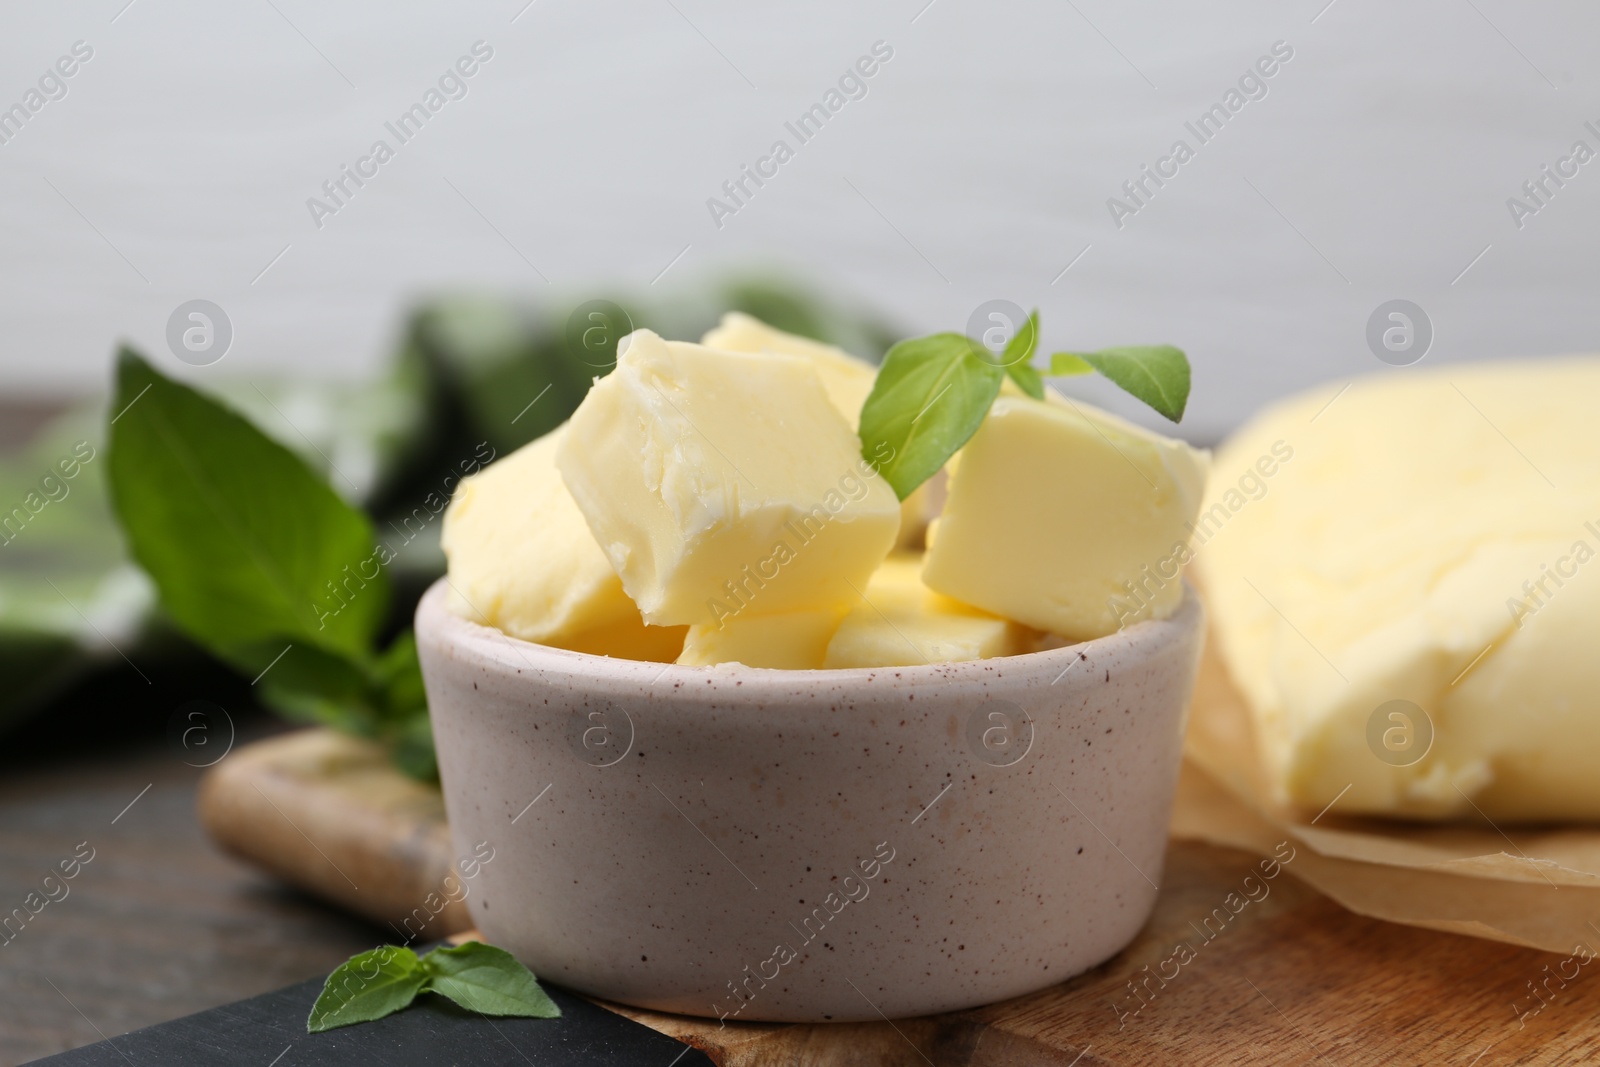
[{"x": 1288, "y": 978}]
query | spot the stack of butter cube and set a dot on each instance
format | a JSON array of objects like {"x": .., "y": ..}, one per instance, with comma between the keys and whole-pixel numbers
[{"x": 711, "y": 503}]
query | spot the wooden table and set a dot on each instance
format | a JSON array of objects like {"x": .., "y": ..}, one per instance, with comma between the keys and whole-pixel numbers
[
  {"x": 159, "y": 924},
  {"x": 1294, "y": 979}
]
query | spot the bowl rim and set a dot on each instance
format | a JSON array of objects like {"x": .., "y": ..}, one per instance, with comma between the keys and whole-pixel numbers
[{"x": 435, "y": 621}]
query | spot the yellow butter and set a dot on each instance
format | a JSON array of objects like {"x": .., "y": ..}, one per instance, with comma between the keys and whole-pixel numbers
[
  {"x": 522, "y": 559},
  {"x": 1066, "y": 518},
  {"x": 1428, "y": 536},
  {"x": 847, "y": 380},
  {"x": 720, "y": 483},
  {"x": 793, "y": 640},
  {"x": 903, "y": 623},
  {"x": 629, "y": 639}
]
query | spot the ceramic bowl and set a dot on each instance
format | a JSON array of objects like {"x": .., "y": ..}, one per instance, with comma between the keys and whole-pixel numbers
[{"x": 748, "y": 844}]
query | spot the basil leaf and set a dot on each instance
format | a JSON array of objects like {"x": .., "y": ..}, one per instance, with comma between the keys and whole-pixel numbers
[
  {"x": 262, "y": 563},
  {"x": 929, "y": 398},
  {"x": 486, "y": 979},
  {"x": 1018, "y": 357},
  {"x": 1027, "y": 378},
  {"x": 411, "y": 747},
  {"x": 1155, "y": 374},
  {"x": 398, "y": 676},
  {"x": 368, "y": 986},
  {"x": 383, "y": 700},
  {"x": 309, "y": 684},
  {"x": 1067, "y": 365},
  {"x": 249, "y": 548}
]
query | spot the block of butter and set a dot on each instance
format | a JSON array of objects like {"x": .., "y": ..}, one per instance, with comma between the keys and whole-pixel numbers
[
  {"x": 724, "y": 483},
  {"x": 903, "y": 623},
  {"x": 1066, "y": 518},
  {"x": 790, "y": 640},
  {"x": 1402, "y": 582},
  {"x": 846, "y": 379},
  {"x": 522, "y": 559}
]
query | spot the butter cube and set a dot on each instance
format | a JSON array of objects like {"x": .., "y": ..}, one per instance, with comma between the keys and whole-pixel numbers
[
  {"x": 1431, "y": 537},
  {"x": 522, "y": 559},
  {"x": 846, "y": 379},
  {"x": 794, "y": 640},
  {"x": 629, "y": 639},
  {"x": 720, "y": 483},
  {"x": 903, "y": 623},
  {"x": 1067, "y": 519}
]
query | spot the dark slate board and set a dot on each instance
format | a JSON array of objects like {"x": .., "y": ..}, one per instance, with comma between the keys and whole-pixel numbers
[{"x": 432, "y": 1032}]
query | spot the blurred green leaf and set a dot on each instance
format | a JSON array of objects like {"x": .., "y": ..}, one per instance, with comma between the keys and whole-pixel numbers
[
  {"x": 406, "y": 726},
  {"x": 505, "y": 368},
  {"x": 361, "y": 435},
  {"x": 789, "y": 305},
  {"x": 1018, "y": 355},
  {"x": 248, "y": 547},
  {"x": 261, "y": 563},
  {"x": 67, "y": 591},
  {"x": 312, "y": 685}
]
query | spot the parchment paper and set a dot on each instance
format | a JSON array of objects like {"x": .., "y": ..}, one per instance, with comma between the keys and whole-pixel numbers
[{"x": 1533, "y": 886}]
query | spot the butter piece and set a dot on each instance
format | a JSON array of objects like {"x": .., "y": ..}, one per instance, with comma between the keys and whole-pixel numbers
[
  {"x": 719, "y": 483},
  {"x": 628, "y": 639},
  {"x": 1430, "y": 536},
  {"x": 846, "y": 379},
  {"x": 522, "y": 559},
  {"x": 794, "y": 640},
  {"x": 1066, "y": 518},
  {"x": 903, "y": 623}
]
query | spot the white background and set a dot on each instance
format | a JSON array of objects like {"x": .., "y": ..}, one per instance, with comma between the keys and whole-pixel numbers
[{"x": 1378, "y": 166}]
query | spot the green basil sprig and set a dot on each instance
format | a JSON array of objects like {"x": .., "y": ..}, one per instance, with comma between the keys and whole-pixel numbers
[
  {"x": 385, "y": 980},
  {"x": 932, "y": 393},
  {"x": 261, "y": 563}
]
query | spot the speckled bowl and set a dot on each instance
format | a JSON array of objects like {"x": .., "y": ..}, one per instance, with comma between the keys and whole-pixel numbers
[{"x": 810, "y": 845}]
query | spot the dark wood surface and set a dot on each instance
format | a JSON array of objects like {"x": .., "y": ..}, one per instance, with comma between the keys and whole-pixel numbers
[
  {"x": 1294, "y": 979},
  {"x": 159, "y": 924},
  {"x": 1288, "y": 977}
]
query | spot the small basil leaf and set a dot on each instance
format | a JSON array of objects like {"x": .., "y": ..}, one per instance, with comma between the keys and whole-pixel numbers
[
  {"x": 310, "y": 684},
  {"x": 1027, "y": 379},
  {"x": 1067, "y": 365},
  {"x": 929, "y": 398},
  {"x": 368, "y": 986},
  {"x": 1155, "y": 374},
  {"x": 411, "y": 747},
  {"x": 398, "y": 675},
  {"x": 486, "y": 979},
  {"x": 246, "y": 544},
  {"x": 384, "y": 701},
  {"x": 1017, "y": 358},
  {"x": 405, "y": 709}
]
